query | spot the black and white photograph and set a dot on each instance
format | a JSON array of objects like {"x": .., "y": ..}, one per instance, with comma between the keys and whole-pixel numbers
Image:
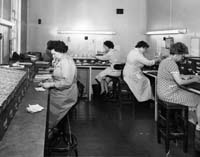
[{"x": 99, "y": 78}]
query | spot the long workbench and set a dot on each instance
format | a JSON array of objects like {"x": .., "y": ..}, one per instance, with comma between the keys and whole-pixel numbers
[{"x": 25, "y": 136}]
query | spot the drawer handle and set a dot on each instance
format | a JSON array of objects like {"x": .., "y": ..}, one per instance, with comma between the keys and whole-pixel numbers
[
  {"x": 5, "y": 124},
  {"x": 11, "y": 113},
  {"x": 16, "y": 105}
]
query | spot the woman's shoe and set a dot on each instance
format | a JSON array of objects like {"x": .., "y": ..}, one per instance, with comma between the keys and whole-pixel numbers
[
  {"x": 197, "y": 140},
  {"x": 52, "y": 132},
  {"x": 197, "y": 134},
  {"x": 102, "y": 92}
]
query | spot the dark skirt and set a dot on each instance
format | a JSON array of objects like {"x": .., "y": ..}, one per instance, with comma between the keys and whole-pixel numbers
[{"x": 61, "y": 102}]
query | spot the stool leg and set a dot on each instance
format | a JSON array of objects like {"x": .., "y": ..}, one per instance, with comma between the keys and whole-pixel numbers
[
  {"x": 167, "y": 142},
  {"x": 114, "y": 89},
  {"x": 119, "y": 93},
  {"x": 72, "y": 139},
  {"x": 158, "y": 126},
  {"x": 185, "y": 140},
  {"x": 158, "y": 133},
  {"x": 76, "y": 152}
]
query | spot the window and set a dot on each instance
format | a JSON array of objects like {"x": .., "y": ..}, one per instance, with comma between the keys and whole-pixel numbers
[{"x": 10, "y": 27}]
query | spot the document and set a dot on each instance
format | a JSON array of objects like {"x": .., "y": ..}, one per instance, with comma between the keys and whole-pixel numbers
[
  {"x": 40, "y": 89},
  {"x": 34, "y": 108}
]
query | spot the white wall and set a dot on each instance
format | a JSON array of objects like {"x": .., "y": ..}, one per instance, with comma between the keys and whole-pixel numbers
[
  {"x": 183, "y": 14},
  {"x": 85, "y": 14}
]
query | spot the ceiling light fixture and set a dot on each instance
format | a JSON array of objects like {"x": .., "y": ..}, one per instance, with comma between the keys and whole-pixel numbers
[
  {"x": 85, "y": 32},
  {"x": 169, "y": 31}
]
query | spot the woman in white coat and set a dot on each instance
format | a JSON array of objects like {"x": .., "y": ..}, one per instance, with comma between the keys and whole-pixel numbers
[
  {"x": 114, "y": 57},
  {"x": 138, "y": 83}
]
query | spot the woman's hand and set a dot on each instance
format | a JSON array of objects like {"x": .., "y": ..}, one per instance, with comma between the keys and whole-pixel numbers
[
  {"x": 94, "y": 57},
  {"x": 187, "y": 77},
  {"x": 40, "y": 84},
  {"x": 157, "y": 60},
  {"x": 198, "y": 77},
  {"x": 195, "y": 78},
  {"x": 48, "y": 84}
]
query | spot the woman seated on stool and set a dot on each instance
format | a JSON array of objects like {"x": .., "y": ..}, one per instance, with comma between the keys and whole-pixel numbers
[
  {"x": 138, "y": 83},
  {"x": 64, "y": 91},
  {"x": 114, "y": 57},
  {"x": 169, "y": 79}
]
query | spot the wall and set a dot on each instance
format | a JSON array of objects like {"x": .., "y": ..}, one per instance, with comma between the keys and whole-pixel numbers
[
  {"x": 85, "y": 15},
  {"x": 23, "y": 26},
  {"x": 180, "y": 14}
]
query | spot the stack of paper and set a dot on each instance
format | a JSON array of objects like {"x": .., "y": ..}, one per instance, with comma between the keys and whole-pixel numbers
[
  {"x": 40, "y": 77},
  {"x": 40, "y": 89},
  {"x": 34, "y": 108},
  {"x": 42, "y": 62},
  {"x": 25, "y": 63}
]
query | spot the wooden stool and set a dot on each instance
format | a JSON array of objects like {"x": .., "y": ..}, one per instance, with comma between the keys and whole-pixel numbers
[
  {"x": 114, "y": 93},
  {"x": 172, "y": 123},
  {"x": 60, "y": 138},
  {"x": 63, "y": 140},
  {"x": 120, "y": 89}
]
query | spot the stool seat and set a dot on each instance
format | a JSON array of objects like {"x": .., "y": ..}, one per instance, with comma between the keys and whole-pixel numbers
[
  {"x": 172, "y": 123},
  {"x": 170, "y": 105},
  {"x": 114, "y": 77},
  {"x": 119, "y": 87}
]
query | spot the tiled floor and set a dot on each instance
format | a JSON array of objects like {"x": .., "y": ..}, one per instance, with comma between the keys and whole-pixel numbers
[{"x": 106, "y": 129}]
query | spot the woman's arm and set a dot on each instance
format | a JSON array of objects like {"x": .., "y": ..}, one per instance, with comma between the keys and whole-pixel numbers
[
  {"x": 104, "y": 57},
  {"x": 186, "y": 77},
  {"x": 181, "y": 81},
  {"x": 68, "y": 70},
  {"x": 146, "y": 61}
]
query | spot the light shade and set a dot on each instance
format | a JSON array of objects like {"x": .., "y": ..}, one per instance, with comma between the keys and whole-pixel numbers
[
  {"x": 85, "y": 32},
  {"x": 169, "y": 31}
]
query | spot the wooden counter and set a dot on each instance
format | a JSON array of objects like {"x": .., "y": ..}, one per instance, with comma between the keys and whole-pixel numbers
[{"x": 25, "y": 136}]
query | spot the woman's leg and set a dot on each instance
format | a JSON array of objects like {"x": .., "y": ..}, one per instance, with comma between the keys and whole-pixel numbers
[
  {"x": 105, "y": 86},
  {"x": 99, "y": 80},
  {"x": 102, "y": 86},
  {"x": 198, "y": 117}
]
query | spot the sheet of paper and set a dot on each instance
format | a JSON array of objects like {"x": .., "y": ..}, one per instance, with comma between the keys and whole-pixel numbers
[
  {"x": 40, "y": 89},
  {"x": 34, "y": 108}
]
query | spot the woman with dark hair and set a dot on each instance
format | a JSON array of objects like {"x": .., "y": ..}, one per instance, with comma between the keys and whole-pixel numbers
[
  {"x": 169, "y": 79},
  {"x": 138, "y": 83},
  {"x": 47, "y": 55},
  {"x": 64, "y": 91},
  {"x": 114, "y": 57}
]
